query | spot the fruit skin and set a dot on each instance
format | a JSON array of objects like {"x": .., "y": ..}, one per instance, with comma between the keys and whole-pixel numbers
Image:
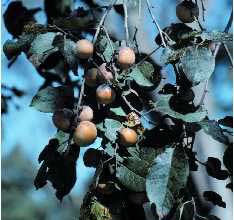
[
  {"x": 126, "y": 57},
  {"x": 186, "y": 11},
  {"x": 85, "y": 133},
  {"x": 62, "y": 119},
  {"x": 128, "y": 137},
  {"x": 104, "y": 74},
  {"x": 91, "y": 77},
  {"x": 86, "y": 113},
  {"x": 84, "y": 49},
  {"x": 105, "y": 94}
]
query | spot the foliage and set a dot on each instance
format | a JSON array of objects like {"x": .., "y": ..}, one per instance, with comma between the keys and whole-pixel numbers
[{"x": 153, "y": 169}]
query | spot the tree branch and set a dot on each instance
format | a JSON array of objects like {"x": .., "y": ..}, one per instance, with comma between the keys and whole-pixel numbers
[
  {"x": 103, "y": 20},
  {"x": 126, "y": 21},
  {"x": 156, "y": 23}
]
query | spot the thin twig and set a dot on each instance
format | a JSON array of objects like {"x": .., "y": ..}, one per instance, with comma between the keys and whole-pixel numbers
[
  {"x": 130, "y": 106},
  {"x": 156, "y": 23},
  {"x": 226, "y": 29},
  {"x": 80, "y": 96},
  {"x": 99, "y": 70},
  {"x": 103, "y": 20},
  {"x": 228, "y": 26},
  {"x": 228, "y": 53},
  {"x": 108, "y": 38},
  {"x": 203, "y": 10},
  {"x": 204, "y": 93},
  {"x": 126, "y": 21},
  {"x": 148, "y": 55}
]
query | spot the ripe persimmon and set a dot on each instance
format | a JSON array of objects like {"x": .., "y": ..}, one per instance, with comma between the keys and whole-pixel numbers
[
  {"x": 84, "y": 49},
  {"x": 85, "y": 133},
  {"x": 62, "y": 119},
  {"x": 86, "y": 113},
  {"x": 105, "y": 94},
  {"x": 126, "y": 57},
  {"x": 128, "y": 137}
]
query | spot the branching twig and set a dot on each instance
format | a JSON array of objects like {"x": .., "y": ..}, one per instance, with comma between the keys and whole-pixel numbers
[
  {"x": 228, "y": 26},
  {"x": 156, "y": 23},
  {"x": 103, "y": 20},
  {"x": 108, "y": 38}
]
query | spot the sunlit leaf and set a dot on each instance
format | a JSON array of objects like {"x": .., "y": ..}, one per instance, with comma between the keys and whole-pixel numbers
[{"x": 198, "y": 64}]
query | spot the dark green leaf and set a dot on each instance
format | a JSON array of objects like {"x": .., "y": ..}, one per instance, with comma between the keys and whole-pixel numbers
[
  {"x": 212, "y": 128},
  {"x": 13, "y": 48},
  {"x": 41, "y": 48},
  {"x": 215, "y": 198},
  {"x": 227, "y": 121},
  {"x": 163, "y": 106},
  {"x": 63, "y": 138},
  {"x": 105, "y": 47},
  {"x": 143, "y": 74},
  {"x": 111, "y": 129},
  {"x": 130, "y": 179},
  {"x": 167, "y": 176},
  {"x": 69, "y": 54},
  {"x": 53, "y": 98}
]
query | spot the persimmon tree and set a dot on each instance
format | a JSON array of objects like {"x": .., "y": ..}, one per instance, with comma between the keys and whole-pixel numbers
[{"x": 141, "y": 170}]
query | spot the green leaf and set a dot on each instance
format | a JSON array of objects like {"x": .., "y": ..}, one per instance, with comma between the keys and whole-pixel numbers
[
  {"x": 167, "y": 176},
  {"x": 185, "y": 211},
  {"x": 129, "y": 179},
  {"x": 148, "y": 153},
  {"x": 136, "y": 165},
  {"x": 68, "y": 51},
  {"x": 51, "y": 99},
  {"x": 110, "y": 150},
  {"x": 99, "y": 211},
  {"x": 163, "y": 105},
  {"x": 198, "y": 64},
  {"x": 63, "y": 140},
  {"x": 118, "y": 111},
  {"x": 105, "y": 47},
  {"x": 12, "y": 48},
  {"x": 143, "y": 74},
  {"x": 170, "y": 56},
  {"x": 213, "y": 129},
  {"x": 41, "y": 48},
  {"x": 111, "y": 129}
]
